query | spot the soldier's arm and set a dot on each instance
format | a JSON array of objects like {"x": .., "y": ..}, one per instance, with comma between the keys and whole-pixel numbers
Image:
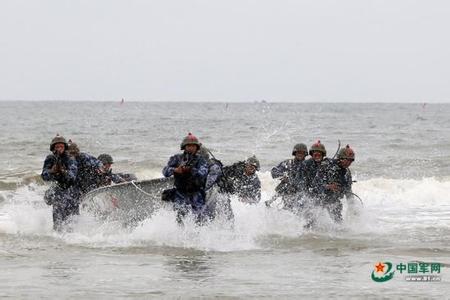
[
  {"x": 257, "y": 189},
  {"x": 213, "y": 175},
  {"x": 280, "y": 170},
  {"x": 94, "y": 162},
  {"x": 117, "y": 178},
  {"x": 250, "y": 192},
  {"x": 47, "y": 173},
  {"x": 348, "y": 185},
  {"x": 172, "y": 164},
  {"x": 70, "y": 174},
  {"x": 333, "y": 182},
  {"x": 127, "y": 176}
]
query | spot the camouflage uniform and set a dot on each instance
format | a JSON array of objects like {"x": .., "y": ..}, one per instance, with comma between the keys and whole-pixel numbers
[
  {"x": 189, "y": 193},
  {"x": 247, "y": 188},
  {"x": 125, "y": 177},
  {"x": 89, "y": 172},
  {"x": 217, "y": 202},
  {"x": 64, "y": 195},
  {"x": 108, "y": 177},
  {"x": 334, "y": 173},
  {"x": 328, "y": 173},
  {"x": 288, "y": 171},
  {"x": 305, "y": 177},
  {"x": 89, "y": 168}
]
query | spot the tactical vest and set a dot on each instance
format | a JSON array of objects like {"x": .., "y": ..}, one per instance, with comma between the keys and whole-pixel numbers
[{"x": 186, "y": 182}]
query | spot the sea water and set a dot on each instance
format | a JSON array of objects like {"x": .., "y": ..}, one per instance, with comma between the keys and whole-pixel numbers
[{"x": 402, "y": 173}]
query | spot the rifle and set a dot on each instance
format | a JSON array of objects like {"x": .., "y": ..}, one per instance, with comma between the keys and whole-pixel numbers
[
  {"x": 188, "y": 162},
  {"x": 58, "y": 166},
  {"x": 360, "y": 200},
  {"x": 338, "y": 148}
]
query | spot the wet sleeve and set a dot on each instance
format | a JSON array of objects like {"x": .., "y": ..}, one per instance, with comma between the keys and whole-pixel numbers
[
  {"x": 213, "y": 176},
  {"x": 280, "y": 170},
  {"x": 127, "y": 176},
  {"x": 94, "y": 162},
  {"x": 72, "y": 170},
  {"x": 48, "y": 164},
  {"x": 117, "y": 178},
  {"x": 171, "y": 165},
  {"x": 257, "y": 189},
  {"x": 348, "y": 186},
  {"x": 250, "y": 191}
]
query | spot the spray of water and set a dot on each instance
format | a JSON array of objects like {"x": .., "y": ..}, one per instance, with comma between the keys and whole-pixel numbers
[{"x": 389, "y": 206}]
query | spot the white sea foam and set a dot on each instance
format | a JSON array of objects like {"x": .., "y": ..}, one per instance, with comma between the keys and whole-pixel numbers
[{"x": 388, "y": 205}]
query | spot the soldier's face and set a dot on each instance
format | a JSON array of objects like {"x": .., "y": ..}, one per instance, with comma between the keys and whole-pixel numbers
[
  {"x": 300, "y": 155},
  {"x": 345, "y": 163},
  {"x": 107, "y": 167},
  {"x": 317, "y": 156},
  {"x": 249, "y": 169},
  {"x": 191, "y": 148},
  {"x": 59, "y": 148}
]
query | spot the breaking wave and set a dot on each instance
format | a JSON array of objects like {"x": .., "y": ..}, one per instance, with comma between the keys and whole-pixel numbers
[{"x": 389, "y": 205}]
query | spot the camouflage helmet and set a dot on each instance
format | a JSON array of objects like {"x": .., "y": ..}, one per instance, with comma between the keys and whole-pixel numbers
[
  {"x": 317, "y": 146},
  {"x": 105, "y": 159},
  {"x": 300, "y": 147},
  {"x": 253, "y": 161},
  {"x": 190, "y": 139},
  {"x": 346, "y": 153},
  {"x": 58, "y": 140}
]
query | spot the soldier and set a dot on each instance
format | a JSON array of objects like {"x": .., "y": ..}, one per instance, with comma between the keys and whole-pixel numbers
[
  {"x": 308, "y": 172},
  {"x": 242, "y": 180},
  {"x": 62, "y": 170},
  {"x": 288, "y": 171},
  {"x": 89, "y": 168},
  {"x": 190, "y": 171},
  {"x": 108, "y": 177},
  {"x": 333, "y": 181},
  {"x": 306, "y": 196},
  {"x": 217, "y": 202}
]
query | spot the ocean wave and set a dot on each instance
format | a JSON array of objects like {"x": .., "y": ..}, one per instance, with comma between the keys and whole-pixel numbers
[{"x": 389, "y": 206}]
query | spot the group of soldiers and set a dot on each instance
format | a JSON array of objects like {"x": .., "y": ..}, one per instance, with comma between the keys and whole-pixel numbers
[
  {"x": 315, "y": 182},
  {"x": 74, "y": 174},
  {"x": 304, "y": 184},
  {"x": 199, "y": 178}
]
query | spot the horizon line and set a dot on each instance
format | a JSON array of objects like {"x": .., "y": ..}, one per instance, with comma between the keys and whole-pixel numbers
[{"x": 235, "y": 101}]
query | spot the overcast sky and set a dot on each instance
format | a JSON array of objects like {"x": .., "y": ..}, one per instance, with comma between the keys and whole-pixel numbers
[{"x": 229, "y": 50}]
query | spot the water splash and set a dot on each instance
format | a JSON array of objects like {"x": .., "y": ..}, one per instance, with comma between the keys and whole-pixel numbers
[{"x": 389, "y": 206}]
